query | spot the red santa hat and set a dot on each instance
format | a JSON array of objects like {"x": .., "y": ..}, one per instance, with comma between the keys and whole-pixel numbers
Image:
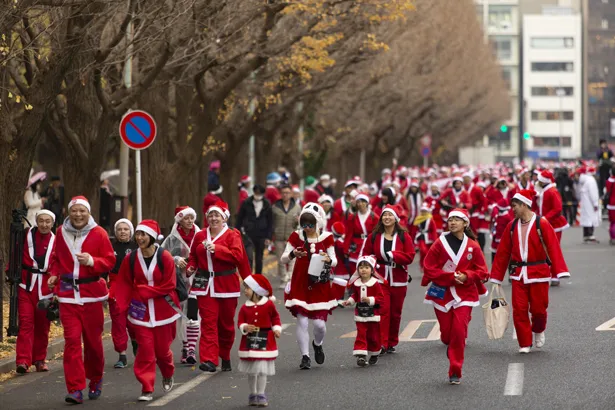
[
  {"x": 260, "y": 285},
  {"x": 456, "y": 179},
  {"x": 591, "y": 170},
  {"x": 414, "y": 183},
  {"x": 245, "y": 179},
  {"x": 362, "y": 197},
  {"x": 182, "y": 211},
  {"x": 526, "y": 196},
  {"x": 581, "y": 170},
  {"x": 502, "y": 204},
  {"x": 459, "y": 213},
  {"x": 425, "y": 207},
  {"x": 150, "y": 227},
  {"x": 523, "y": 171},
  {"x": 296, "y": 188},
  {"x": 325, "y": 198},
  {"x": 354, "y": 181},
  {"x": 393, "y": 210},
  {"x": 46, "y": 212},
  {"x": 127, "y": 222},
  {"x": 546, "y": 177},
  {"x": 221, "y": 207},
  {"x": 79, "y": 200},
  {"x": 338, "y": 228}
]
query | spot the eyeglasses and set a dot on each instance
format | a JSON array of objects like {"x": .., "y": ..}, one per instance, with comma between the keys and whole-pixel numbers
[{"x": 306, "y": 225}]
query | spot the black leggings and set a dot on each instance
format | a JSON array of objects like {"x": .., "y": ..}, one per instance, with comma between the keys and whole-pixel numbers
[
  {"x": 481, "y": 240},
  {"x": 588, "y": 231}
]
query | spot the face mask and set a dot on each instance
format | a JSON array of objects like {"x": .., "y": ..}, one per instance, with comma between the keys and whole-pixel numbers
[{"x": 258, "y": 198}]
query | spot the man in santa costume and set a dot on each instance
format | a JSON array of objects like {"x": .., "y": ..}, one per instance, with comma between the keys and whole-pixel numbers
[
  {"x": 33, "y": 336},
  {"x": 532, "y": 255},
  {"x": 414, "y": 200},
  {"x": 548, "y": 203},
  {"x": 83, "y": 252},
  {"x": 343, "y": 205},
  {"x": 524, "y": 180}
]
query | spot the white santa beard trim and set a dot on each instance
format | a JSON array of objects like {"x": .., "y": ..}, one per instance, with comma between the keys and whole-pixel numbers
[
  {"x": 258, "y": 289},
  {"x": 147, "y": 230},
  {"x": 79, "y": 202},
  {"x": 523, "y": 199}
]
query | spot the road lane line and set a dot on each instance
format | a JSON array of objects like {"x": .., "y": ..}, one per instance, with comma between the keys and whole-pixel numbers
[
  {"x": 608, "y": 325},
  {"x": 514, "y": 380},
  {"x": 186, "y": 387},
  {"x": 349, "y": 335},
  {"x": 410, "y": 330}
]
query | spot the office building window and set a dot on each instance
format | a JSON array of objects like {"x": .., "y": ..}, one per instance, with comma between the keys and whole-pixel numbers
[
  {"x": 502, "y": 48},
  {"x": 552, "y": 142},
  {"x": 551, "y": 91},
  {"x": 604, "y": 24},
  {"x": 552, "y": 66},
  {"x": 552, "y": 115},
  {"x": 507, "y": 76},
  {"x": 552, "y": 42},
  {"x": 500, "y": 17}
]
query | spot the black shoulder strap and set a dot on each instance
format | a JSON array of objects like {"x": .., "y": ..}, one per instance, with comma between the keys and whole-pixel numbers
[
  {"x": 133, "y": 259},
  {"x": 513, "y": 226},
  {"x": 542, "y": 241},
  {"x": 159, "y": 259}
]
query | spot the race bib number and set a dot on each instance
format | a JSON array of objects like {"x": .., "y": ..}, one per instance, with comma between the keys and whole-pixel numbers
[
  {"x": 257, "y": 340},
  {"x": 436, "y": 291},
  {"x": 137, "y": 310}
]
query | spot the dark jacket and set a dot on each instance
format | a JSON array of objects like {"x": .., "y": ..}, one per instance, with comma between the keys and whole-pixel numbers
[{"x": 260, "y": 227}]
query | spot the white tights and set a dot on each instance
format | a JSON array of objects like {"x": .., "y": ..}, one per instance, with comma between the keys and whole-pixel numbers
[
  {"x": 303, "y": 336},
  {"x": 257, "y": 383}
]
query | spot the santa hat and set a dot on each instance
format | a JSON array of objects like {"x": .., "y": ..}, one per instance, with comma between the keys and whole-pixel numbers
[
  {"x": 386, "y": 171},
  {"x": 500, "y": 179},
  {"x": 182, "y": 211},
  {"x": 546, "y": 177},
  {"x": 526, "y": 196},
  {"x": 245, "y": 179},
  {"x": 459, "y": 213},
  {"x": 362, "y": 197},
  {"x": 79, "y": 200},
  {"x": 260, "y": 285},
  {"x": 373, "y": 189},
  {"x": 354, "y": 181},
  {"x": 338, "y": 228},
  {"x": 414, "y": 183},
  {"x": 481, "y": 184},
  {"x": 221, "y": 207},
  {"x": 296, "y": 188},
  {"x": 591, "y": 170},
  {"x": 150, "y": 227},
  {"x": 46, "y": 212},
  {"x": 581, "y": 170},
  {"x": 425, "y": 207},
  {"x": 369, "y": 259},
  {"x": 502, "y": 204},
  {"x": 523, "y": 171},
  {"x": 325, "y": 198},
  {"x": 467, "y": 175},
  {"x": 317, "y": 211},
  {"x": 127, "y": 222},
  {"x": 393, "y": 210}
]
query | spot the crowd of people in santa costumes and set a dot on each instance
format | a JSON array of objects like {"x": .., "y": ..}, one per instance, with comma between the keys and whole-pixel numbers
[{"x": 358, "y": 226}]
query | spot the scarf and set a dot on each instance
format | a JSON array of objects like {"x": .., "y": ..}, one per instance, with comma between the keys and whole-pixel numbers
[
  {"x": 420, "y": 219},
  {"x": 68, "y": 227}
]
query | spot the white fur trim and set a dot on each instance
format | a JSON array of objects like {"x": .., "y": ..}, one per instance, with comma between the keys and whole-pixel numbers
[
  {"x": 127, "y": 222},
  {"x": 523, "y": 199},
  {"x": 147, "y": 230},
  {"x": 392, "y": 211},
  {"x": 367, "y": 319},
  {"x": 359, "y": 352},
  {"x": 242, "y": 328},
  {"x": 562, "y": 228},
  {"x": 311, "y": 306},
  {"x": 499, "y": 282},
  {"x": 362, "y": 197},
  {"x": 155, "y": 323},
  {"x": 79, "y": 201},
  {"x": 459, "y": 215},
  {"x": 46, "y": 212},
  {"x": 258, "y": 289},
  {"x": 563, "y": 275},
  {"x": 258, "y": 354},
  {"x": 543, "y": 179},
  {"x": 219, "y": 210},
  {"x": 181, "y": 214},
  {"x": 276, "y": 327}
]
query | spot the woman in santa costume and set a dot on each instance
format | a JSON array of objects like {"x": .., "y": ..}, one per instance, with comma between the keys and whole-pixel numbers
[
  {"x": 259, "y": 323},
  {"x": 358, "y": 226},
  {"x": 432, "y": 199},
  {"x": 120, "y": 328},
  {"x": 83, "y": 253},
  {"x": 454, "y": 197},
  {"x": 455, "y": 266},
  {"x": 343, "y": 205},
  {"x": 414, "y": 199},
  {"x": 327, "y": 204},
  {"x": 145, "y": 289},
  {"x": 394, "y": 250},
  {"x": 310, "y": 297},
  {"x": 33, "y": 336},
  {"x": 178, "y": 244},
  {"x": 609, "y": 199},
  {"x": 500, "y": 217},
  {"x": 532, "y": 255},
  {"x": 548, "y": 203},
  {"x": 216, "y": 256},
  {"x": 424, "y": 232}
]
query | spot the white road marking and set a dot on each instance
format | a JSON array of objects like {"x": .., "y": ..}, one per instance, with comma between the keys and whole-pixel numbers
[
  {"x": 407, "y": 335},
  {"x": 186, "y": 387},
  {"x": 352, "y": 334},
  {"x": 514, "y": 380},
  {"x": 608, "y": 325}
]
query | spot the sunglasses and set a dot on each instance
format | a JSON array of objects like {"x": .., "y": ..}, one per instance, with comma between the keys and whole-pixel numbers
[{"x": 306, "y": 225}]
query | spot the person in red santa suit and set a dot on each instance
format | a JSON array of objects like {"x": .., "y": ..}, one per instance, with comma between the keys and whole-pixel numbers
[
  {"x": 82, "y": 254},
  {"x": 454, "y": 197},
  {"x": 259, "y": 323},
  {"x": 244, "y": 190},
  {"x": 414, "y": 199},
  {"x": 524, "y": 180},
  {"x": 394, "y": 250},
  {"x": 609, "y": 199},
  {"x": 343, "y": 205},
  {"x": 501, "y": 189},
  {"x": 33, "y": 335},
  {"x": 327, "y": 204},
  {"x": 341, "y": 270},
  {"x": 501, "y": 215},
  {"x": 358, "y": 226},
  {"x": 424, "y": 232},
  {"x": 432, "y": 199},
  {"x": 145, "y": 289},
  {"x": 531, "y": 253},
  {"x": 476, "y": 211},
  {"x": 216, "y": 254},
  {"x": 548, "y": 203},
  {"x": 309, "y": 295},
  {"x": 272, "y": 192},
  {"x": 367, "y": 294},
  {"x": 455, "y": 266},
  {"x": 212, "y": 197}
]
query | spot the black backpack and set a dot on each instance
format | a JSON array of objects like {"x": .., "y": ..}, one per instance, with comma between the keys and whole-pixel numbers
[{"x": 180, "y": 286}]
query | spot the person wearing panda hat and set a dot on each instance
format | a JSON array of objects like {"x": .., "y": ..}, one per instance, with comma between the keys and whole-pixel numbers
[
  {"x": 178, "y": 244},
  {"x": 532, "y": 253},
  {"x": 455, "y": 269},
  {"x": 33, "y": 335},
  {"x": 394, "y": 250},
  {"x": 217, "y": 260},
  {"x": 83, "y": 253},
  {"x": 358, "y": 226},
  {"x": 309, "y": 297},
  {"x": 259, "y": 323}
]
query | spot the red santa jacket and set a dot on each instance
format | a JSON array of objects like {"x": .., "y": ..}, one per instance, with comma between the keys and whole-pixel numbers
[
  {"x": 425, "y": 231},
  {"x": 226, "y": 264},
  {"x": 499, "y": 222},
  {"x": 341, "y": 209},
  {"x": 440, "y": 266},
  {"x": 456, "y": 199},
  {"x": 64, "y": 264},
  {"x": 243, "y": 195},
  {"x": 414, "y": 205},
  {"x": 272, "y": 194},
  {"x": 311, "y": 195},
  {"x": 494, "y": 195},
  {"x": 341, "y": 269},
  {"x": 392, "y": 265},
  {"x": 263, "y": 315},
  {"x": 610, "y": 197},
  {"x": 142, "y": 292},
  {"x": 519, "y": 186},
  {"x": 356, "y": 232},
  {"x": 478, "y": 200},
  {"x": 371, "y": 289},
  {"x": 37, "y": 254},
  {"x": 434, "y": 204},
  {"x": 513, "y": 249},
  {"x": 548, "y": 204},
  {"x": 332, "y": 218}
]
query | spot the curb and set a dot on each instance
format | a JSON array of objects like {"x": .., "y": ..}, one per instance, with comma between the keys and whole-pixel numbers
[{"x": 55, "y": 346}]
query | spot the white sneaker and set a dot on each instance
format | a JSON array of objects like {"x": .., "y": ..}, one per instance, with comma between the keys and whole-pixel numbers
[
  {"x": 539, "y": 339},
  {"x": 524, "y": 350},
  {"x": 146, "y": 397}
]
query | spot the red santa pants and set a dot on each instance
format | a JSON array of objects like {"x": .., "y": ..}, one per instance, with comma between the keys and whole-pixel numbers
[
  {"x": 33, "y": 336},
  {"x": 154, "y": 348},
  {"x": 368, "y": 339},
  {"x": 529, "y": 298},
  {"x": 217, "y": 328},
  {"x": 119, "y": 325},
  {"x": 87, "y": 322},
  {"x": 453, "y": 332},
  {"x": 390, "y": 314}
]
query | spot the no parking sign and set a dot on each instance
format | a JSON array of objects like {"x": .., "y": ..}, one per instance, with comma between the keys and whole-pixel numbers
[{"x": 138, "y": 129}]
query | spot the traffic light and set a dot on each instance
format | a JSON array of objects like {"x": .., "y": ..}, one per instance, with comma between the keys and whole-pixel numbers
[
  {"x": 504, "y": 128},
  {"x": 526, "y": 136}
]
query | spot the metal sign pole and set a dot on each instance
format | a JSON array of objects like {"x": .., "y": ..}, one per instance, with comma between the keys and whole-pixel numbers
[{"x": 138, "y": 183}]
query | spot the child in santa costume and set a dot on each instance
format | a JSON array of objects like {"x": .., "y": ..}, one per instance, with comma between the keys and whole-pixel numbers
[
  {"x": 368, "y": 296},
  {"x": 33, "y": 336},
  {"x": 178, "y": 244},
  {"x": 216, "y": 256},
  {"x": 455, "y": 266},
  {"x": 341, "y": 270},
  {"x": 424, "y": 232},
  {"x": 548, "y": 203},
  {"x": 259, "y": 323},
  {"x": 146, "y": 290},
  {"x": 394, "y": 250},
  {"x": 83, "y": 253},
  {"x": 500, "y": 217},
  {"x": 308, "y": 296},
  {"x": 532, "y": 257},
  {"x": 358, "y": 226}
]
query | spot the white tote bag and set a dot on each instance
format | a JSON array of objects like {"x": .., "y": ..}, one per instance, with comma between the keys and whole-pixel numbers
[{"x": 496, "y": 314}]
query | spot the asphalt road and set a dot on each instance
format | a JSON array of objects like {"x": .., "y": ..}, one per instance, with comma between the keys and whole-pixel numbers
[{"x": 573, "y": 371}]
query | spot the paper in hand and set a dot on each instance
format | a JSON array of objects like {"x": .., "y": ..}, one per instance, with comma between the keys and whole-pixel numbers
[{"x": 449, "y": 266}]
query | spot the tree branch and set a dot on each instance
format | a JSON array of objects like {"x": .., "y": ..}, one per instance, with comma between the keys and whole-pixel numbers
[
  {"x": 69, "y": 135},
  {"x": 102, "y": 54}
]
